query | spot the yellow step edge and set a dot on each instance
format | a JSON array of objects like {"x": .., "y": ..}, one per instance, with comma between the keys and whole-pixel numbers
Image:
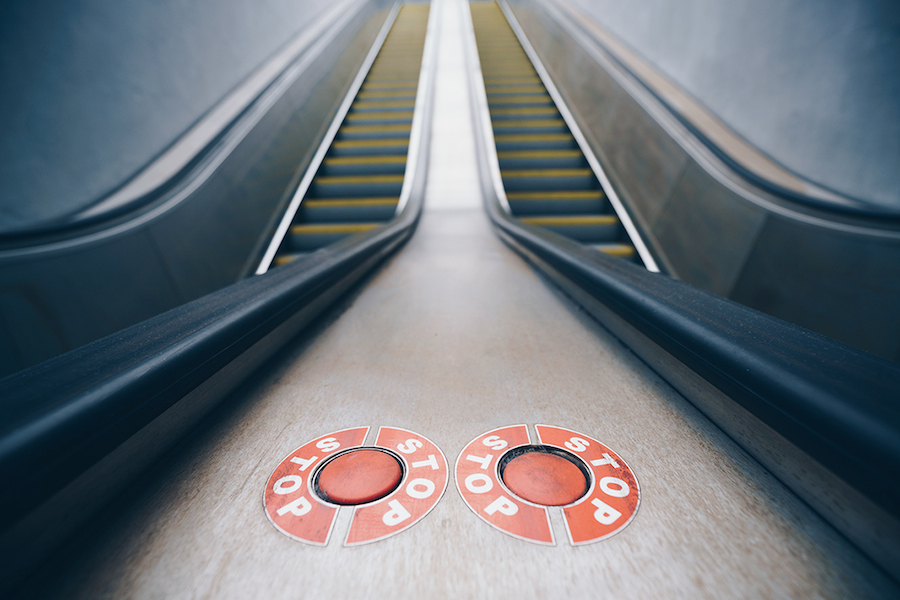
[
  {"x": 384, "y": 83},
  {"x": 488, "y": 84},
  {"x": 492, "y": 81},
  {"x": 375, "y": 116},
  {"x": 378, "y": 159},
  {"x": 560, "y": 195},
  {"x": 375, "y": 128},
  {"x": 520, "y": 99},
  {"x": 539, "y": 154},
  {"x": 332, "y": 228},
  {"x": 620, "y": 250},
  {"x": 284, "y": 259},
  {"x": 537, "y": 173},
  {"x": 525, "y": 110},
  {"x": 355, "y": 179},
  {"x": 400, "y": 73},
  {"x": 571, "y": 220},
  {"x": 513, "y": 89},
  {"x": 534, "y": 137},
  {"x": 505, "y": 70},
  {"x": 386, "y": 94},
  {"x": 335, "y": 202},
  {"x": 387, "y": 143},
  {"x": 492, "y": 75},
  {"x": 523, "y": 99},
  {"x": 390, "y": 81},
  {"x": 506, "y": 123},
  {"x": 359, "y": 105}
]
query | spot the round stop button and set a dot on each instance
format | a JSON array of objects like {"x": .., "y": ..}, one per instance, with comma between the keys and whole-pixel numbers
[
  {"x": 543, "y": 475},
  {"x": 359, "y": 477}
]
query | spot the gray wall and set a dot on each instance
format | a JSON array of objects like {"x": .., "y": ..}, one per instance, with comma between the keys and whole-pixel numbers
[
  {"x": 813, "y": 83},
  {"x": 92, "y": 90}
]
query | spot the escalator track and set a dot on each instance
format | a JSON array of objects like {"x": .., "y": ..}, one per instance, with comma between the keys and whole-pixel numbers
[
  {"x": 547, "y": 179},
  {"x": 358, "y": 184}
]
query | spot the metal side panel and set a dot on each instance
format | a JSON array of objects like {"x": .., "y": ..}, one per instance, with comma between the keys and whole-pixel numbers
[
  {"x": 197, "y": 232},
  {"x": 824, "y": 269}
]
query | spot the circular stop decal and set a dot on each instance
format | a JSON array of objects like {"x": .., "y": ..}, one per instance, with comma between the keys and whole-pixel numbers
[
  {"x": 390, "y": 486},
  {"x": 511, "y": 482}
]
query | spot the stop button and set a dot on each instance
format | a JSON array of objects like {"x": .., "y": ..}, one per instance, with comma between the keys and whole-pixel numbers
[
  {"x": 359, "y": 476},
  {"x": 512, "y": 482},
  {"x": 544, "y": 475},
  {"x": 389, "y": 486}
]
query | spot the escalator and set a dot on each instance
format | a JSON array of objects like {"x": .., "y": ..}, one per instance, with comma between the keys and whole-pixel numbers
[
  {"x": 136, "y": 466},
  {"x": 358, "y": 184},
  {"x": 546, "y": 177}
]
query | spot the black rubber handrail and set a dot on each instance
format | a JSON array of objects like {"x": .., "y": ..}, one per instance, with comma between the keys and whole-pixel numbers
[
  {"x": 836, "y": 403},
  {"x": 64, "y": 415}
]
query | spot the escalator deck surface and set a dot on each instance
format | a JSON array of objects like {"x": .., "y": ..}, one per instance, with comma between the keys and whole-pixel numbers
[
  {"x": 357, "y": 186},
  {"x": 547, "y": 179}
]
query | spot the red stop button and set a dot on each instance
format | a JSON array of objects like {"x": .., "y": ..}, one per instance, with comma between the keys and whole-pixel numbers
[
  {"x": 544, "y": 478},
  {"x": 359, "y": 477}
]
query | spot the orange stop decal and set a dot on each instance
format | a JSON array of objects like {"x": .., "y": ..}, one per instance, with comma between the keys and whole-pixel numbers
[
  {"x": 512, "y": 482},
  {"x": 389, "y": 486}
]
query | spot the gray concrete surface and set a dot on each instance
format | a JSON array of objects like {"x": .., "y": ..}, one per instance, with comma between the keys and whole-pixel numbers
[{"x": 813, "y": 84}]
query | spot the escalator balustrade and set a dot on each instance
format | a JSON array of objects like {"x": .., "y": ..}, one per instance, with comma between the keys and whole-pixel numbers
[
  {"x": 547, "y": 179},
  {"x": 357, "y": 186}
]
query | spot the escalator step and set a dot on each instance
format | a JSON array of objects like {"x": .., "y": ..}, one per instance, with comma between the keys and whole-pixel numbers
[
  {"x": 334, "y": 210},
  {"x": 369, "y": 132},
  {"x": 558, "y": 203},
  {"x": 583, "y": 228},
  {"x": 621, "y": 250},
  {"x": 523, "y": 100},
  {"x": 391, "y": 164},
  {"x": 387, "y": 94},
  {"x": 535, "y": 159},
  {"x": 528, "y": 126},
  {"x": 547, "y": 179},
  {"x": 380, "y": 118},
  {"x": 539, "y": 141},
  {"x": 404, "y": 84},
  {"x": 369, "y": 147},
  {"x": 357, "y": 186},
  {"x": 361, "y": 106},
  {"x": 533, "y": 112}
]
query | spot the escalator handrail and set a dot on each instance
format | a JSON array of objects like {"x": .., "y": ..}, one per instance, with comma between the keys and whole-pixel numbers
[
  {"x": 834, "y": 402},
  {"x": 63, "y": 416},
  {"x": 312, "y": 169}
]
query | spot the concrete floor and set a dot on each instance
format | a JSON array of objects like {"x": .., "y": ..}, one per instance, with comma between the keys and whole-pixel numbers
[{"x": 457, "y": 335}]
